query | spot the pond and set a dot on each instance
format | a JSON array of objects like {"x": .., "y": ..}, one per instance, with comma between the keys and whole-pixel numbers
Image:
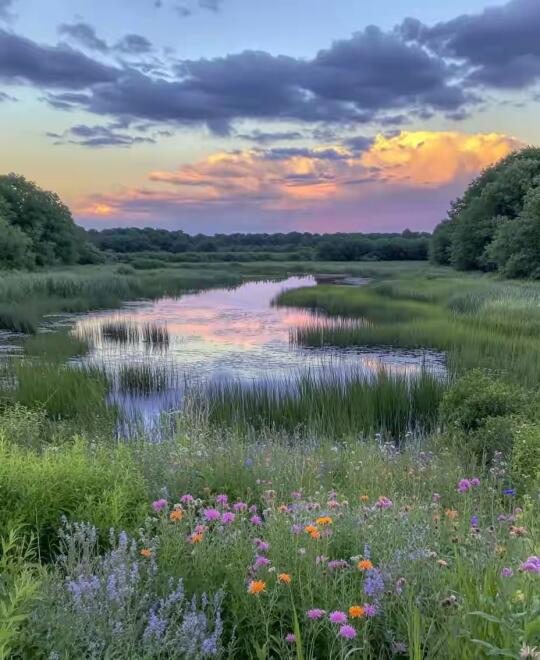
[{"x": 155, "y": 351}]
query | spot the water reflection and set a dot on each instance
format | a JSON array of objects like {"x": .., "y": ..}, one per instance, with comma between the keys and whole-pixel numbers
[{"x": 223, "y": 334}]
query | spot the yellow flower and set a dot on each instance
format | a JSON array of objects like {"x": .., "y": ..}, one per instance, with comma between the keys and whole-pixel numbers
[
  {"x": 324, "y": 520},
  {"x": 285, "y": 578},
  {"x": 256, "y": 587},
  {"x": 365, "y": 565}
]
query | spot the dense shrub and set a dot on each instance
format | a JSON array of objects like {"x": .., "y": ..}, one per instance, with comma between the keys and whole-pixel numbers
[{"x": 526, "y": 457}]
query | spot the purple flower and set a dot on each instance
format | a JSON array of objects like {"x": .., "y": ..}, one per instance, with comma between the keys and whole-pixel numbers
[
  {"x": 435, "y": 497},
  {"x": 158, "y": 505},
  {"x": 464, "y": 485},
  {"x": 531, "y": 565},
  {"x": 253, "y": 508},
  {"x": 296, "y": 529},
  {"x": 315, "y": 613},
  {"x": 256, "y": 520},
  {"x": 187, "y": 499},
  {"x": 507, "y": 572},
  {"x": 211, "y": 514},
  {"x": 227, "y": 517},
  {"x": 296, "y": 495},
  {"x": 291, "y": 638},
  {"x": 337, "y": 564},
  {"x": 475, "y": 481},
  {"x": 374, "y": 583},
  {"x": 509, "y": 491},
  {"x": 240, "y": 506},
  {"x": 337, "y": 617},
  {"x": 222, "y": 499},
  {"x": 474, "y": 521},
  {"x": 348, "y": 632},
  {"x": 370, "y": 610},
  {"x": 384, "y": 502},
  {"x": 262, "y": 546},
  {"x": 260, "y": 560}
]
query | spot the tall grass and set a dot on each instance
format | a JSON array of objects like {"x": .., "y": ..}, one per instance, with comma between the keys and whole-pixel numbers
[{"x": 333, "y": 405}]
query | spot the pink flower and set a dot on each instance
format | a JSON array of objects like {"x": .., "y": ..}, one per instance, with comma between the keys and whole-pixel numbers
[
  {"x": 240, "y": 506},
  {"x": 348, "y": 632},
  {"x": 227, "y": 517},
  {"x": 315, "y": 613},
  {"x": 531, "y": 565},
  {"x": 464, "y": 485},
  {"x": 256, "y": 520},
  {"x": 211, "y": 514},
  {"x": 291, "y": 638},
  {"x": 222, "y": 499},
  {"x": 253, "y": 508},
  {"x": 370, "y": 610},
  {"x": 475, "y": 481},
  {"x": 187, "y": 499},
  {"x": 507, "y": 572},
  {"x": 337, "y": 564},
  {"x": 337, "y": 617},
  {"x": 158, "y": 505},
  {"x": 384, "y": 502},
  {"x": 296, "y": 494},
  {"x": 262, "y": 546},
  {"x": 260, "y": 560}
]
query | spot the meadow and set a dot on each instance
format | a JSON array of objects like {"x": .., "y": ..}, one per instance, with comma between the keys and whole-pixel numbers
[{"x": 383, "y": 517}]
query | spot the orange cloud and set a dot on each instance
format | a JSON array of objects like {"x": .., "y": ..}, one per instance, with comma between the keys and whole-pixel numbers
[{"x": 299, "y": 178}]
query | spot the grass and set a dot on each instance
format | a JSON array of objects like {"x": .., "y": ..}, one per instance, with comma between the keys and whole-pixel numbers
[{"x": 145, "y": 378}]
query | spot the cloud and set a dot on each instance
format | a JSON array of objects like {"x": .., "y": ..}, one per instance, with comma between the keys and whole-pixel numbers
[
  {"x": 6, "y": 97},
  {"x": 306, "y": 182},
  {"x": 85, "y": 35},
  {"x": 134, "y": 44},
  {"x": 103, "y": 136},
  {"x": 265, "y": 137},
  {"x": 5, "y": 10},
  {"x": 501, "y": 45},
  {"x": 211, "y": 5},
  {"x": 23, "y": 60}
]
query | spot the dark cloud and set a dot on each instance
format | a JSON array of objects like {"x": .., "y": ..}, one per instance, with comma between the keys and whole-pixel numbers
[
  {"x": 5, "y": 10},
  {"x": 359, "y": 143},
  {"x": 292, "y": 152},
  {"x": 134, "y": 44},
  {"x": 23, "y": 60},
  {"x": 85, "y": 35},
  {"x": 183, "y": 11},
  {"x": 98, "y": 136},
  {"x": 263, "y": 137},
  {"x": 501, "y": 45},
  {"x": 6, "y": 97},
  {"x": 211, "y": 5}
]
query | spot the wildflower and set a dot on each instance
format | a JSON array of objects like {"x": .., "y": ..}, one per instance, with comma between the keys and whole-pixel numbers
[
  {"x": 435, "y": 497},
  {"x": 374, "y": 583},
  {"x": 531, "y": 565},
  {"x": 262, "y": 546},
  {"x": 348, "y": 632},
  {"x": 296, "y": 494},
  {"x": 337, "y": 617},
  {"x": 196, "y": 537},
  {"x": 296, "y": 529},
  {"x": 500, "y": 550},
  {"x": 519, "y": 596},
  {"x": 356, "y": 611},
  {"x": 384, "y": 503},
  {"x": 285, "y": 578},
  {"x": 227, "y": 517},
  {"x": 475, "y": 481},
  {"x": 256, "y": 520},
  {"x": 324, "y": 520},
  {"x": 337, "y": 564},
  {"x": 260, "y": 560},
  {"x": 518, "y": 531},
  {"x": 370, "y": 610},
  {"x": 256, "y": 587},
  {"x": 176, "y": 515},
  {"x": 211, "y": 514},
  {"x": 464, "y": 485},
  {"x": 309, "y": 529},
  {"x": 315, "y": 534},
  {"x": 474, "y": 521},
  {"x": 187, "y": 499},
  {"x": 451, "y": 514},
  {"x": 399, "y": 585},
  {"x": 240, "y": 506},
  {"x": 158, "y": 505},
  {"x": 442, "y": 563},
  {"x": 283, "y": 508},
  {"x": 222, "y": 499},
  {"x": 509, "y": 491},
  {"x": 315, "y": 613},
  {"x": 146, "y": 552},
  {"x": 291, "y": 638},
  {"x": 332, "y": 504},
  {"x": 364, "y": 498},
  {"x": 365, "y": 565},
  {"x": 507, "y": 572},
  {"x": 529, "y": 652}
]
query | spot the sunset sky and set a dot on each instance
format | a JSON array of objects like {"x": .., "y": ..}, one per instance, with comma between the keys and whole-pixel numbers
[{"x": 249, "y": 115}]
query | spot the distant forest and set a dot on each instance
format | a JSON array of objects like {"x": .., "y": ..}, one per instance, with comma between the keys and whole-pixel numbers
[{"x": 294, "y": 245}]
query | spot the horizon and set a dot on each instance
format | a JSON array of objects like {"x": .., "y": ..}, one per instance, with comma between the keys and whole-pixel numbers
[{"x": 216, "y": 116}]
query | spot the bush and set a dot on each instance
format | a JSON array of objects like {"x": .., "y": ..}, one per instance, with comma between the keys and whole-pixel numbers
[
  {"x": 495, "y": 435},
  {"x": 102, "y": 485},
  {"x": 526, "y": 457},
  {"x": 476, "y": 397},
  {"x": 125, "y": 269}
]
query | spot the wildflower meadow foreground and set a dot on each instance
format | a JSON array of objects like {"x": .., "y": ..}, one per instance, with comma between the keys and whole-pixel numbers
[{"x": 267, "y": 551}]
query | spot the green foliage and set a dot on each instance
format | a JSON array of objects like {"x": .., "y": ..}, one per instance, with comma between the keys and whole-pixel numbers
[
  {"x": 102, "y": 485},
  {"x": 37, "y": 228},
  {"x": 526, "y": 457},
  {"x": 494, "y": 224}
]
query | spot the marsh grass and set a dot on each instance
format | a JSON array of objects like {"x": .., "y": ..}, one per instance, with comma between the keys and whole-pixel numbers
[
  {"x": 145, "y": 378},
  {"x": 155, "y": 335},
  {"x": 123, "y": 331},
  {"x": 337, "y": 405}
]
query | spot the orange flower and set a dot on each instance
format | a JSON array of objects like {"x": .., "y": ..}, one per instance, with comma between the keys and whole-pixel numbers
[
  {"x": 282, "y": 508},
  {"x": 256, "y": 587},
  {"x": 309, "y": 529},
  {"x": 284, "y": 577},
  {"x": 356, "y": 612},
  {"x": 324, "y": 520},
  {"x": 365, "y": 565},
  {"x": 451, "y": 514},
  {"x": 146, "y": 552},
  {"x": 196, "y": 538},
  {"x": 364, "y": 498},
  {"x": 315, "y": 534},
  {"x": 176, "y": 515}
]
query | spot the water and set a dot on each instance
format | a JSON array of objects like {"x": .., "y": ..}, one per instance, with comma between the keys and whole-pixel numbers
[{"x": 224, "y": 334}]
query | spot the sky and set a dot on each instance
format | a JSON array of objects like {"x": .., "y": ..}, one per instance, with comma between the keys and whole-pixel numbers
[{"x": 218, "y": 116}]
